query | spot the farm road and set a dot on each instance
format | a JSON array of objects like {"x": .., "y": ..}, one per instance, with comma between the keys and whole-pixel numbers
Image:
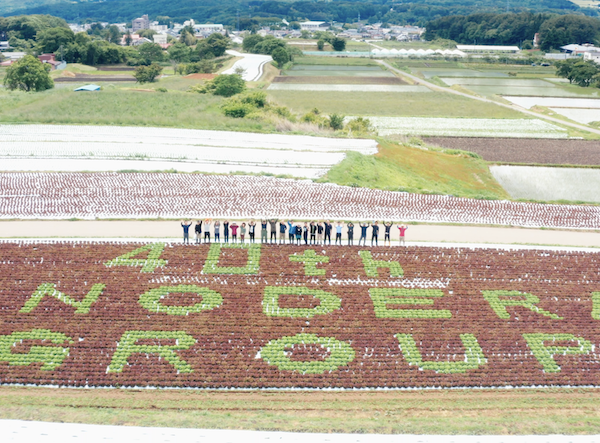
[
  {"x": 420, "y": 81},
  {"x": 416, "y": 233},
  {"x": 252, "y": 64}
]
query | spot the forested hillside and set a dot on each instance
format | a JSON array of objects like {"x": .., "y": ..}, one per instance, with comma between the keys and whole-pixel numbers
[{"x": 255, "y": 11}]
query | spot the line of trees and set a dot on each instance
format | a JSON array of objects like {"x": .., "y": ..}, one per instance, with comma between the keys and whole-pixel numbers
[
  {"x": 343, "y": 11},
  {"x": 515, "y": 29}
]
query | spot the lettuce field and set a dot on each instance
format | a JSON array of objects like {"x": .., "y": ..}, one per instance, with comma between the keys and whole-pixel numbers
[{"x": 266, "y": 316}]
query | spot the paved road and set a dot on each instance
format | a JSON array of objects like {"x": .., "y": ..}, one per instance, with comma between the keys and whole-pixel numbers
[
  {"x": 42, "y": 432},
  {"x": 416, "y": 234},
  {"x": 430, "y": 85},
  {"x": 252, "y": 64}
]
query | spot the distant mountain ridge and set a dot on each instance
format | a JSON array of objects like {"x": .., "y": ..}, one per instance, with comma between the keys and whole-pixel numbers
[{"x": 258, "y": 11}]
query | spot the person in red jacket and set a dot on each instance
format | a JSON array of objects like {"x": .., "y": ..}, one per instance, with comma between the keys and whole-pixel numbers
[
  {"x": 402, "y": 229},
  {"x": 234, "y": 229}
]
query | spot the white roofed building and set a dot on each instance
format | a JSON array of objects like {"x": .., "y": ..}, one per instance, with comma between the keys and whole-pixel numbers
[
  {"x": 487, "y": 48},
  {"x": 314, "y": 26}
]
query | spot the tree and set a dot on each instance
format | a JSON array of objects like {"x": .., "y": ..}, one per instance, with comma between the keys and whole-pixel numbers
[
  {"x": 217, "y": 43},
  {"x": 339, "y": 44},
  {"x": 228, "y": 85},
  {"x": 320, "y": 44},
  {"x": 150, "y": 52},
  {"x": 50, "y": 40},
  {"x": 128, "y": 39},
  {"x": 113, "y": 35},
  {"x": 564, "y": 68},
  {"x": 251, "y": 41},
  {"x": 178, "y": 53},
  {"x": 146, "y": 33},
  {"x": 566, "y": 29},
  {"x": 28, "y": 74},
  {"x": 280, "y": 56},
  {"x": 147, "y": 74}
]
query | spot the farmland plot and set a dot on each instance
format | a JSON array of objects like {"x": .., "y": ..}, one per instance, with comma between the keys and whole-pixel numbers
[
  {"x": 108, "y": 148},
  {"x": 261, "y": 316},
  {"x": 554, "y": 102},
  {"x": 463, "y": 127},
  {"x": 346, "y": 88},
  {"x": 579, "y": 115},
  {"x": 543, "y": 183},
  {"x": 176, "y": 196}
]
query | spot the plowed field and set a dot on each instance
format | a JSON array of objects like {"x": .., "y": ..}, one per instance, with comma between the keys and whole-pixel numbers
[{"x": 536, "y": 151}]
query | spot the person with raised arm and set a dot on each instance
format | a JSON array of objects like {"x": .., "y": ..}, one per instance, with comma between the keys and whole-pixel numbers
[
  {"x": 263, "y": 231},
  {"x": 375, "y": 234},
  {"x": 282, "y": 228},
  {"x": 234, "y": 227},
  {"x": 386, "y": 237},
  {"x": 242, "y": 232},
  {"x": 338, "y": 233},
  {"x": 298, "y": 233},
  {"x": 350, "y": 233},
  {"x": 328, "y": 227},
  {"x": 273, "y": 223},
  {"x": 313, "y": 233},
  {"x": 320, "y": 230},
  {"x": 218, "y": 231},
  {"x": 291, "y": 232},
  {"x": 186, "y": 230},
  {"x": 226, "y": 231}
]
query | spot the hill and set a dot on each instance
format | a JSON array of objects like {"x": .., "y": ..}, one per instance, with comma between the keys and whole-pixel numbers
[{"x": 253, "y": 12}]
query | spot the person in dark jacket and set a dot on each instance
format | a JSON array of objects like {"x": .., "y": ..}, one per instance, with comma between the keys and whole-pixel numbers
[
  {"x": 350, "y": 233},
  {"x": 363, "y": 234},
  {"x": 375, "y": 235},
  {"x": 313, "y": 233},
  {"x": 328, "y": 228},
  {"x": 198, "y": 231}
]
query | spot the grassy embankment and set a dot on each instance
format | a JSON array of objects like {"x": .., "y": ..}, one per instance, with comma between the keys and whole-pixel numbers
[
  {"x": 551, "y": 411},
  {"x": 412, "y": 169}
]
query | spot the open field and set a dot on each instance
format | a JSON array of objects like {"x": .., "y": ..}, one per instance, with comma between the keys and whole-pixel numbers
[
  {"x": 435, "y": 104},
  {"x": 539, "y": 411},
  {"x": 176, "y": 196},
  {"x": 547, "y": 151},
  {"x": 333, "y": 80},
  {"x": 308, "y": 60}
]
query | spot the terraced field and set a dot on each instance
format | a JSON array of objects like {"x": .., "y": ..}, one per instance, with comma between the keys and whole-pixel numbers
[{"x": 108, "y": 314}]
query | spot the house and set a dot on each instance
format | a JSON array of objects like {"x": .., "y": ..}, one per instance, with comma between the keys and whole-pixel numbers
[
  {"x": 49, "y": 59},
  {"x": 593, "y": 56},
  {"x": 136, "y": 40},
  {"x": 160, "y": 39},
  {"x": 140, "y": 23},
  {"x": 314, "y": 26},
  {"x": 4, "y": 46}
]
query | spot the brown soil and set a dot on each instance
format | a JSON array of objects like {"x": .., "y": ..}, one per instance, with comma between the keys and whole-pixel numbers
[
  {"x": 528, "y": 151},
  {"x": 201, "y": 76},
  {"x": 335, "y": 80}
]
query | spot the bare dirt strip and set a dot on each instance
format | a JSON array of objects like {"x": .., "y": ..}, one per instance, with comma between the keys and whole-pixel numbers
[
  {"x": 532, "y": 151},
  {"x": 320, "y": 80}
]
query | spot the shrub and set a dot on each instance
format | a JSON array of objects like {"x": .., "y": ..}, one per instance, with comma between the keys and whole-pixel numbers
[
  {"x": 237, "y": 109},
  {"x": 336, "y": 121},
  {"x": 147, "y": 74}
]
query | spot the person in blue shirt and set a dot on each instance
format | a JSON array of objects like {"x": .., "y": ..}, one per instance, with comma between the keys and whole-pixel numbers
[
  {"x": 338, "y": 233},
  {"x": 291, "y": 232},
  {"x": 363, "y": 233},
  {"x": 186, "y": 230},
  {"x": 282, "y": 228}
]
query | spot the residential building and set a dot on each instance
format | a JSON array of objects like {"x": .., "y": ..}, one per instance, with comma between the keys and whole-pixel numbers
[
  {"x": 140, "y": 23},
  {"x": 160, "y": 39},
  {"x": 593, "y": 56}
]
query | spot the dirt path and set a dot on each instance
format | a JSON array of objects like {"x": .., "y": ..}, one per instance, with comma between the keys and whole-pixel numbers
[
  {"x": 420, "y": 81},
  {"x": 415, "y": 233}
]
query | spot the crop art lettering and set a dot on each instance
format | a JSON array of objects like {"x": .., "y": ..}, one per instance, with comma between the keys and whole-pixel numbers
[{"x": 275, "y": 316}]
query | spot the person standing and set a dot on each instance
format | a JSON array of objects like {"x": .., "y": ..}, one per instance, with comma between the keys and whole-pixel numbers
[
  {"x": 298, "y": 233},
  {"x": 305, "y": 233},
  {"x": 313, "y": 233},
  {"x": 350, "y": 233},
  {"x": 375, "y": 234},
  {"x": 402, "y": 229},
  {"x": 242, "y": 232},
  {"x": 186, "y": 231},
  {"x": 263, "y": 231},
  {"x": 320, "y": 230},
  {"x": 386, "y": 237},
  {"x": 252, "y": 230},
  {"x": 207, "y": 230},
  {"x": 291, "y": 232},
  {"x": 363, "y": 233},
  {"x": 218, "y": 231},
  {"x": 282, "y": 228},
  {"x": 328, "y": 227},
  {"x": 273, "y": 223},
  {"x": 338, "y": 233},
  {"x": 226, "y": 231},
  {"x": 234, "y": 227},
  {"x": 198, "y": 231}
]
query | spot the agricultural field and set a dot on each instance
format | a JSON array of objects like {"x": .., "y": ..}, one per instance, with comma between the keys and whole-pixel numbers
[
  {"x": 175, "y": 196},
  {"x": 526, "y": 151},
  {"x": 54, "y": 147},
  {"x": 166, "y": 315},
  {"x": 544, "y": 184}
]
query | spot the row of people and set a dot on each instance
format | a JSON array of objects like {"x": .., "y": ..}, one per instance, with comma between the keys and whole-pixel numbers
[{"x": 313, "y": 232}]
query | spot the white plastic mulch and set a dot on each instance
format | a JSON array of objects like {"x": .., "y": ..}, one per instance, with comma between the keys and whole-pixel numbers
[
  {"x": 346, "y": 88},
  {"x": 555, "y": 102},
  {"x": 104, "y": 148},
  {"x": 46, "y": 432},
  {"x": 579, "y": 115},
  {"x": 467, "y": 127},
  {"x": 543, "y": 183}
]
